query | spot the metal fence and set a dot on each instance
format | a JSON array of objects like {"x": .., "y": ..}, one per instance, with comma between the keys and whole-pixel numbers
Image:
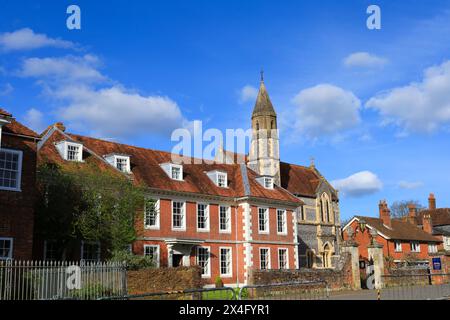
[
  {"x": 416, "y": 287},
  {"x": 48, "y": 280},
  {"x": 305, "y": 290},
  {"x": 191, "y": 294}
]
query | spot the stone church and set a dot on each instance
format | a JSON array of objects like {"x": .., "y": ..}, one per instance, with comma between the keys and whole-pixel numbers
[{"x": 318, "y": 219}]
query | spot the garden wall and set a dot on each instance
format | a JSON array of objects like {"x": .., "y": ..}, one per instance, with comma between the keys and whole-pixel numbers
[
  {"x": 337, "y": 279},
  {"x": 163, "y": 279}
]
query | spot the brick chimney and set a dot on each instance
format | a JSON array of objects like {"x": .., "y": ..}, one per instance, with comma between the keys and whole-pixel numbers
[
  {"x": 427, "y": 224},
  {"x": 385, "y": 213},
  {"x": 431, "y": 202},
  {"x": 60, "y": 126},
  {"x": 412, "y": 213}
]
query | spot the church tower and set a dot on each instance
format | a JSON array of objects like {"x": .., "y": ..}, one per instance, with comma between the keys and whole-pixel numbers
[{"x": 264, "y": 157}]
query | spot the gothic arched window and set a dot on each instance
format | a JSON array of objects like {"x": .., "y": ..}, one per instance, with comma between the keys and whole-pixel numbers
[{"x": 325, "y": 208}]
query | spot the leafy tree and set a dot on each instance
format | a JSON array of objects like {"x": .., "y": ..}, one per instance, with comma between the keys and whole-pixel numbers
[
  {"x": 399, "y": 209},
  {"x": 80, "y": 201}
]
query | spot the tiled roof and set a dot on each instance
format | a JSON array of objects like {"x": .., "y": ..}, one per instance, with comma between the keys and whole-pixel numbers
[
  {"x": 299, "y": 180},
  {"x": 400, "y": 230},
  {"x": 16, "y": 127},
  {"x": 146, "y": 169},
  {"x": 5, "y": 113},
  {"x": 439, "y": 217}
]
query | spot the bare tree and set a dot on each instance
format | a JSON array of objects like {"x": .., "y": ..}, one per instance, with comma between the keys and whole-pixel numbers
[{"x": 399, "y": 209}]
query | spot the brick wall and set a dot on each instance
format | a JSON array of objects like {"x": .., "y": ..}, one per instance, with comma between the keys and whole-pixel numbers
[
  {"x": 163, "y": 279},
  {"x": 337, "y": 279},
  {"x": 17, "y": 208}
]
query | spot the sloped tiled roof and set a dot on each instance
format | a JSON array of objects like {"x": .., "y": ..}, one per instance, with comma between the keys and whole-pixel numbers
[
  {"x": 299, "y": 180},
  {"x": 16, "y": 127},
  {"x": 400, "y": 230},
  {"x": 439, "y": 217},
  {"x": 146, "y": 169}
]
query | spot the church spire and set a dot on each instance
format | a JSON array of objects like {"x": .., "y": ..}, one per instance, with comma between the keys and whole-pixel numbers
[{"x": 263, "y": 105}]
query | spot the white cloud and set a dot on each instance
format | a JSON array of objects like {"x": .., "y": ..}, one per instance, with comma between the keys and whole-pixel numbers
[
  {"x": 63, "y": 69},
  {"x": 248, "y": 93},
  {"x": 117, "y": 112},
  {"x": 410, "y": 185},
  {"x": 35, "y": 120},
  {"x": 325, "y": 110},
  {"x": 27, "y": 39},
  {"x": 364, "y": 60},
  {"x": 359, "y": 184},
  {"x": 6, "y": 89},
  {"x": 418, "y": 107}
]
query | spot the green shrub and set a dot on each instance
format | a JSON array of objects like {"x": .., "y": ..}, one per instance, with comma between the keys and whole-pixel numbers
[
  {"x": 219, "y": 282},
  {"x": 134, "y": 262},
  {"x": 92, "y": 292}
]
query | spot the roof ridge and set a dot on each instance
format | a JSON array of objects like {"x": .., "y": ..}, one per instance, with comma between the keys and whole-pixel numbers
[{"x": 213, "y": 162}]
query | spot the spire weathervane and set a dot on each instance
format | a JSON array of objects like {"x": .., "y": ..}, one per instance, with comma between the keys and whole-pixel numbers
[{"x": 262, "y": 75}]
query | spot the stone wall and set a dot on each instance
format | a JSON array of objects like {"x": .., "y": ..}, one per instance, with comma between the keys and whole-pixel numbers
[
  {"x": 337, "y": 279},
  {"x": 406, "y": 277},
  {"x": 163, "y": 279}
]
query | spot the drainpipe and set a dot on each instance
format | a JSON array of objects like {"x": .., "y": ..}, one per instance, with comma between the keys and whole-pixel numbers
[{"x": 236, "y": 245}]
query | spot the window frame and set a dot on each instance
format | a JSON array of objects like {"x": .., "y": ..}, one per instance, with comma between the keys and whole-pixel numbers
[
  {"x": 398, "y": 244},
  {"x": 228, "y": 215},
  {"x": 179, "y": 167},
  {"x": 270, "y": 185},
  {"x": 18, "y": 188},
  {"x": 224, "y": 175},
  {"x": 267, "y": 219},
  {"x": 434, "y": 246},
  {"x": 158, "y": 215},
  {"x": 230, "y": 273},
  {"x": 157, "y": 246},
  {"x": 73, "y": 144},
  {"x": 208, "y": 274},
  {"x": 99, "y": 251},
  {"x": 11, "y": 248},
  {"x": 415, "y": 247},
  {"x": 284, "y": 231},
  {"x": 269, "y": 266},
  {"x": 127, "y": 164},
  {"x": 183, "y": 211},
  {"x": 206, "y": 212},
  {"x": 286, "y": 250}
]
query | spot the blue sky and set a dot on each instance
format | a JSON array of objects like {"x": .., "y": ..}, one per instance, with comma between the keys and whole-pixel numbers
[{"x": 371, "y": 106}]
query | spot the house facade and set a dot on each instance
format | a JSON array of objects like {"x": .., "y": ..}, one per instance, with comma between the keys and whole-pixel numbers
[
  {"x": 402, "y": 241},
  {"x": 17, "y": 188},
  {"x": 224, "y": 218}
]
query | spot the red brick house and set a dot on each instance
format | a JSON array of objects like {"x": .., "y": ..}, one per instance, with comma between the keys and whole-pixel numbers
[
  {"x": 223, "y": 217},
  {"x": 17, "y": 188},
  {"x": 439, "y": 221},
  {"x": 402, "y": 241}
]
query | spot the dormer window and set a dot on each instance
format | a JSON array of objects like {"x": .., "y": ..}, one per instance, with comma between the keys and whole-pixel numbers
[
  {"x": 222, "y": 180},
  {"x": 266, "y": 182},
  {"x": 70, "y": 151},
  {"x": 120, "y": 161},
  {"x": 219, "y": 178},
  {"x": 174, "y": 171}
]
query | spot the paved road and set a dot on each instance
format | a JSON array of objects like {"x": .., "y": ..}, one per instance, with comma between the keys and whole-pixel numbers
[{"x": 354, "y": 295}]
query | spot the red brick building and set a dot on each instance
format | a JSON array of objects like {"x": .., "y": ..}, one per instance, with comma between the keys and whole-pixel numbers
[
  {"x": 17, "y": 188},
  {"x": 434, "y": 220},
  {"x": 402, "y": 241},
  {"x": 223, "y": 217}
]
